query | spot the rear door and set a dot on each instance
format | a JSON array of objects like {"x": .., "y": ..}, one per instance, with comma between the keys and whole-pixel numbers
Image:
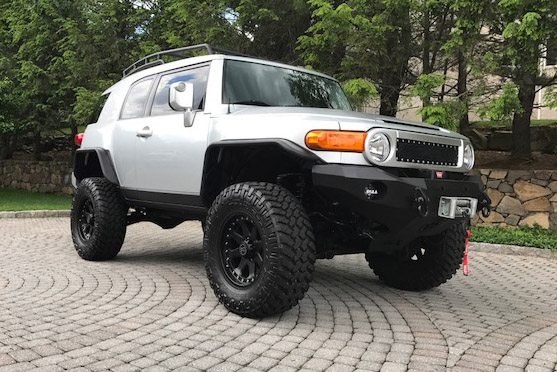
[{"x": 124, "y": 136}]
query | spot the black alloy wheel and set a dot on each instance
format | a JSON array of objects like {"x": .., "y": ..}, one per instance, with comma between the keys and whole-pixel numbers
[
  {"x": 86, "y": 220},
  {"x": 241, "y": 249},
  {"x": 98, "y": 219},
  {"x": 259, "y": 249}
]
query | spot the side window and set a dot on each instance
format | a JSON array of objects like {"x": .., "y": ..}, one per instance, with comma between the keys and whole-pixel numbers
[
  {"x": 99, "y": 107},
  {"x": 197, "y": 76},
  {"x": 133, "y": 107}
]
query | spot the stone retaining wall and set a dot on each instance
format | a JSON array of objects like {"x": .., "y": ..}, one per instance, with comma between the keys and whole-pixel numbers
[
  {"x": 41, "y": 176},
  {"x": 521, "y": 198}
]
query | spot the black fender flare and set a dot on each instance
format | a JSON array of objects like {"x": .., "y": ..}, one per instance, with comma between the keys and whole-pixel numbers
[
  {"x": 213, "y": 151},
  {"x": 83, "y": 158}
]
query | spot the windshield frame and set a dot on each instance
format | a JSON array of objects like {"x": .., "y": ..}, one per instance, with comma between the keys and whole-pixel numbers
[{"x": 298, "y": 70}]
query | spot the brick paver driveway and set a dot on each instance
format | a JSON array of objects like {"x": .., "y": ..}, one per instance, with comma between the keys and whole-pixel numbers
[{"x": 152, "y": 310}]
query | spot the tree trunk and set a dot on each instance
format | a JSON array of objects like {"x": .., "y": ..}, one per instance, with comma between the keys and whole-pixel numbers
[
  {"x": 4, "y": 146},
  {"x": 462, "y": 91},
  {"x": 73, "y": 127},
  {"x": 521, "y": 122},
  {"x": 37, "y": 142},
  {"x": 389, "y": 101}
]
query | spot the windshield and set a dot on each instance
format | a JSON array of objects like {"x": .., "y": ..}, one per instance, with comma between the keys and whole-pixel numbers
[{"x": 263, "y": 85}]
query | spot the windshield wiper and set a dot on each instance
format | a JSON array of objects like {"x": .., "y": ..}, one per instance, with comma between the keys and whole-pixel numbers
[{"x": 251, "y": 102}]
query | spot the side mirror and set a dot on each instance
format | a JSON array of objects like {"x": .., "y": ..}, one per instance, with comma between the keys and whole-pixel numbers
[{"x": 181, "y": 96}]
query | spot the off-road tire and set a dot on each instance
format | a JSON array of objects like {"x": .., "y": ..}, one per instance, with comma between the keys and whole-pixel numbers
[
  {"x": 442, "y": 258},
  {"x": 288, "y": 249},
  {"x": 109, "y": 219}
]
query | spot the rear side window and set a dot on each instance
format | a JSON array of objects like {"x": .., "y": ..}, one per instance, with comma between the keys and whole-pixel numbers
[
  {"x": 135, "y": 101},
  {"x": 99, "y": 108},
  {"x": 197, "y": 76}
]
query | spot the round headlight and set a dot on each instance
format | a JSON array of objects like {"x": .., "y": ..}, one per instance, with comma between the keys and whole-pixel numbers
[
  {"x": 468, "y": 157},
  {"x": 379, "y": 147}
]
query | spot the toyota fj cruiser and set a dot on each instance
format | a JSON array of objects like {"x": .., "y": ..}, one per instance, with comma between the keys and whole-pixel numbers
[{"x": 280, "y": 171}]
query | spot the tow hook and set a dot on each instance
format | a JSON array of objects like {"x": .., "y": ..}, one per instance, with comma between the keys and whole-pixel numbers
[
  {"x": 421, "y": 202},
  {"x": 465, "y": 257},
  {"x": 485, "y": 205}
]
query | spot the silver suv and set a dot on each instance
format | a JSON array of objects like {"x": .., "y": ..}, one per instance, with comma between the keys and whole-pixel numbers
[{"x": 280, "y": 171}]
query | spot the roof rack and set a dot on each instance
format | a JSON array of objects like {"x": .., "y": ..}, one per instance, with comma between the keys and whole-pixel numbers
[{"x": 155, "y": 59}]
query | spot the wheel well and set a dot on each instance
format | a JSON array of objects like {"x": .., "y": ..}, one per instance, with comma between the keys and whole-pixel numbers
[
  {"x": 266, "y": 162},
  {"x": 94, "y": 163}
]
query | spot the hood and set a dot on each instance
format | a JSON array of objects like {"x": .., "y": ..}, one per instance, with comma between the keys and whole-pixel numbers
[{"x": 347, "y": 120}]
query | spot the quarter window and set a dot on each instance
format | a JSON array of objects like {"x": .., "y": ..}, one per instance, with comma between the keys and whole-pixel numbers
[
  {"x": 197, "y": 76},
  {"x": 135, "y": 102}
]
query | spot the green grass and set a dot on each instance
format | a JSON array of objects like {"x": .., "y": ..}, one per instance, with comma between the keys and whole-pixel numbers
[
  {"x": 20, "y": 200},
  {"x": 526, "y": 237},
  {"x": 508, "y": 124},
  {"x": 65, "y": 131}
]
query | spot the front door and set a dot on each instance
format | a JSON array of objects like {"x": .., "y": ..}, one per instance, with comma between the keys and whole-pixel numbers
[{"x": 169, "y": 156}]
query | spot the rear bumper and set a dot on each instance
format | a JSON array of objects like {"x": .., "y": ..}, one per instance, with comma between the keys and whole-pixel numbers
[{"x": 393, "y": 201}]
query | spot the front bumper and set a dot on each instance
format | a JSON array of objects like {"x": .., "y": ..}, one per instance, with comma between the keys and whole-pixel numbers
[{"x": 405, "y": 207}]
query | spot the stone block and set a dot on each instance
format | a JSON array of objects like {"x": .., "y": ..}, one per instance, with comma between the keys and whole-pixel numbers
[
  {"x": 514, "y": 175},
  {"x": 553, "y": 186},
  {"x": 505, "y": 187},
  {"x": 540, "y": 204},
  {"x": 542, "y": 174},
  {"x": 510, "y": 205},
  {"x": 494, "y": 217},
  {"x": 541, "y": 219},
  {"x": 493, "y": 184},
  {"x": 542, "y": 183},
  {"x": 498, "y": 174},
  {"x": 527, "y": 191},
  {"x": 512, "y": 220},
  {"x": 495, "y": 196}
]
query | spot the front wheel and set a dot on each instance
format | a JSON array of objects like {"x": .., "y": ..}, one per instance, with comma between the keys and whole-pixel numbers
[
  {"x": 428, "y": 262},
  {"x": 259, "y": 249},
  {"x": 98, "y": 219}
]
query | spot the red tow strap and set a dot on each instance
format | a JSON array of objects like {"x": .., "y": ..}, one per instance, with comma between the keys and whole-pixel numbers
[{"x": 465, "y": 258}]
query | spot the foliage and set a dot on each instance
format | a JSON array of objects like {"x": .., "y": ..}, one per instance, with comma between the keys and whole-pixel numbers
[
  {"x": 20, "y": 200},
  {"x": 58, "y": 56},
  {"x": 425, "y": 85},
  {"x": 359, "y": 91},
  {"x": 443, "y": 114},
  {"x": 504, "y": 106},
  {"x": 529, "y": 237},
  {"x": 362, "y": 39},
  {"x": 272, "y": 27}
]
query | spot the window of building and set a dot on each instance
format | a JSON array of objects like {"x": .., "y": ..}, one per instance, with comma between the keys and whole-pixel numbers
[{"x": 551, "y": 53}]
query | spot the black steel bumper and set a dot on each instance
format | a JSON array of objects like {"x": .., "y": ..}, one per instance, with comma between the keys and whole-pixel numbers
[{"x": 406, "y": 207}]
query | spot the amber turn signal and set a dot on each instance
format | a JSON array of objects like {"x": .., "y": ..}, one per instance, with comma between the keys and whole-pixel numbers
[{"x": 336, "y": 140}]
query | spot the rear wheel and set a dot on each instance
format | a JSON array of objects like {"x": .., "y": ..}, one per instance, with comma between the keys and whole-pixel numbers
[
  {"x": 259, "y": 249},
  {"x": 98, "y": 219},
  {"x": 428, "y": 262}
]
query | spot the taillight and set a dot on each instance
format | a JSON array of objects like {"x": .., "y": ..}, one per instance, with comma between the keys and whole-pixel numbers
[
  {"x": 78, "y": 139},
  {"x": 336, "y": 140}
]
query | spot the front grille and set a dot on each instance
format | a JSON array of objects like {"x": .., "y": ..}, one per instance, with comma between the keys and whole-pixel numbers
[{"x": 422, "y": 152}]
